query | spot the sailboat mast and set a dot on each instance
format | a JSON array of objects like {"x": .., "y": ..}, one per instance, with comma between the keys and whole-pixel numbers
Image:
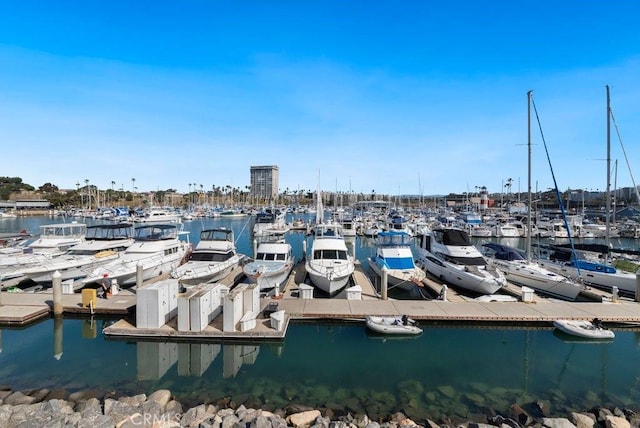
[
  {"x": 608, "y": 195},
  {"x": 528, "y": 242}
]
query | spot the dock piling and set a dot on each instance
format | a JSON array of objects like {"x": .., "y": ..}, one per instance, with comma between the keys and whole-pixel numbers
[
  {"x": 139, "y": 275},
  {"x": 57, "y": 293},
  {"x": 383, "y": 282},
  {"x": 637, "y": 299}
]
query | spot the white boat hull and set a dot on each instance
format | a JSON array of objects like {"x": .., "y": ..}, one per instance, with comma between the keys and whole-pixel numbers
[
  {"x": 391, "y": 325},
  {"x": 198, "y": 272},
  {"x": 540, "y": 279},
  {"x": 624, "y": 281},
  {"x": 584, "y": 329},
  {"x": 268, "y": 275},
  {"x": 329, "y": 277},
  {"x": 478, "y": 280}
]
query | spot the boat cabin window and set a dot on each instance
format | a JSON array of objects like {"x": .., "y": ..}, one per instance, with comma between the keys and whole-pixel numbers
[
  {"x": 157, "y": 232},
  {"x": 467, "y": 261},
  {"x": 330, "y": 254},
  {"x": 210, "y": 257},
  {"x": 453, "y": 237},
  {"x": 215, "y": 235},
  {"x": 281, "y": 257}
]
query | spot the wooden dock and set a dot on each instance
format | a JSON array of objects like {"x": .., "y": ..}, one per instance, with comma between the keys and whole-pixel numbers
[{"x": 23, "y": 308}]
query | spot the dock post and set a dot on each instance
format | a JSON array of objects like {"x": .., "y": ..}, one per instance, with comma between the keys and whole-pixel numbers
[
  {"x": 304, "y": 250},
  {"x": 614, "y": 294},
  {"x": 443, "y": 293},
  {"x": 637, "y": 299},
  {"x": 57, "y": 293},
  {"x": 139, "y": 275},
  {"x": 255, "y": 248},
  {"x": 383, "y": 282}
]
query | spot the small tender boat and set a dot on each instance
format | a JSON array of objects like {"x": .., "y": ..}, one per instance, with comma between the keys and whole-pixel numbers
[
  {"x": 582, "y": 328},
  {"x": 393, "y": 325}
]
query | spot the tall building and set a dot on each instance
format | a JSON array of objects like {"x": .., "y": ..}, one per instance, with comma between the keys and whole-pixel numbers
[{"x": 264, "y": 182}]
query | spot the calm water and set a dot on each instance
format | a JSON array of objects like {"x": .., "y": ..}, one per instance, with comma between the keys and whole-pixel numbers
[{"x": 462, "y": 370}]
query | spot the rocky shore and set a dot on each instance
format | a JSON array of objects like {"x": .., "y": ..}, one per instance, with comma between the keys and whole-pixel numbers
[{"x": 52, "y": 409}]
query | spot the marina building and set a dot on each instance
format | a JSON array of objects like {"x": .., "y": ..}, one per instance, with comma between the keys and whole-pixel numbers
[{"x": 264, "y": 182}]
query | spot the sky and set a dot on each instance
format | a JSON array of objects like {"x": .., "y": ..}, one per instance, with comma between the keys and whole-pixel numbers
[{"x": 391, "y": 97}]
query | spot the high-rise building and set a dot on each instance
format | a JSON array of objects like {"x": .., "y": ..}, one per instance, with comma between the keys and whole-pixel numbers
[{"x": 264, "y": 182}]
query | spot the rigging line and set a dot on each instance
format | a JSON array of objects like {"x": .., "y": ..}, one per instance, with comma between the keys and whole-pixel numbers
[
  {"x": 564, "y": 215},
  {"x": 615, "y": 125}
]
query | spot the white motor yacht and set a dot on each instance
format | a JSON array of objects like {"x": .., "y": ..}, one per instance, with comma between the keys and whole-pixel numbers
[
  {"x": 213, "y": 258},
  {"x": 329, "y": 264},
  {"x": 448, "y": 254},
  {"x": 157, "y": 249}
]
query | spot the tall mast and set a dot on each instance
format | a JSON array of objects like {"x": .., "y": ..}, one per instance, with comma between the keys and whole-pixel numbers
[
  {"x": 608, "y": 195},
  {"x": 528, "y": 242}
]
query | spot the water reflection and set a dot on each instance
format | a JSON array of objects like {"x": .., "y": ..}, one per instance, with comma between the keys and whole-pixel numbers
[
  {"x": 448, "y": 370},
  {"x": 57, "y": 337},
  {"x": 156, "y": 359}
]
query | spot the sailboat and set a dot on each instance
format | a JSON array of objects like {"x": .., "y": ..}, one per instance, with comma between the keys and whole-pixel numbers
[
  {"x": 589, "y": 268},
  {"x": 517, "y": 267},
  {"x": 329, "y": 264}
]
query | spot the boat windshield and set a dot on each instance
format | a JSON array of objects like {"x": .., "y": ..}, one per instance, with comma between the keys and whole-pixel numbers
[
  {"x": 210, "y": 257},
  {"x": 156, "y": 232},
  {"x": 215, "y": 235},
  {"x": 271, "y": 256},
  {"x": 330, "y": 254},
  {"x": 453, "y": 237}
]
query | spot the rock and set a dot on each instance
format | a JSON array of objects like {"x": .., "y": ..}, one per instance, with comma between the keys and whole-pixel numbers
[
  {"x": 5, "y": 414},
  {"x": 18, "y": 398},
  {"x": 582, "y": 420},
  {"x": 360, "y": 420},
  {"x": 57, "y": 407},
  {"x": 161, "y": 396},
  {"x": 501, "y": 420},
  {"x": 60, "y": 394},
  {"x": 89, "y": 406},
  {"x": 173, "y": 407},
  {"x": 431, "y": 424},
  {"x": 40, "y": 394},
  {"x": 397, "y": 417},
  {"x": 134, "y": 401},
  {"x": 4, "y": 394},
  {"x": 520, "y": 415},
  {"x": 557, "y": 423},
  {"x": 261, "y": 421},
  {"x": 616, "y": 422},
  {"x": 303, "y": 419},
  {"x": 119, "y": 411},
  {"x": 194, "y": 415},
  {"x": 231, "y": 421},
  {"x": 96, "y": 421}
]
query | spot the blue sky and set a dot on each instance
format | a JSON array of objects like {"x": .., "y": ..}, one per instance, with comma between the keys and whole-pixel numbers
[{"x": 397, "y": 97}]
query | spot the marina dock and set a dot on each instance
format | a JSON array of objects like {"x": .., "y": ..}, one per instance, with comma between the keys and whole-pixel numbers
[{"x": 24, "y": 308}]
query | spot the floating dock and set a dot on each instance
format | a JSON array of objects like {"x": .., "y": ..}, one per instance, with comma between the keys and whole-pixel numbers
[{"x": 24, "y": 308}]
